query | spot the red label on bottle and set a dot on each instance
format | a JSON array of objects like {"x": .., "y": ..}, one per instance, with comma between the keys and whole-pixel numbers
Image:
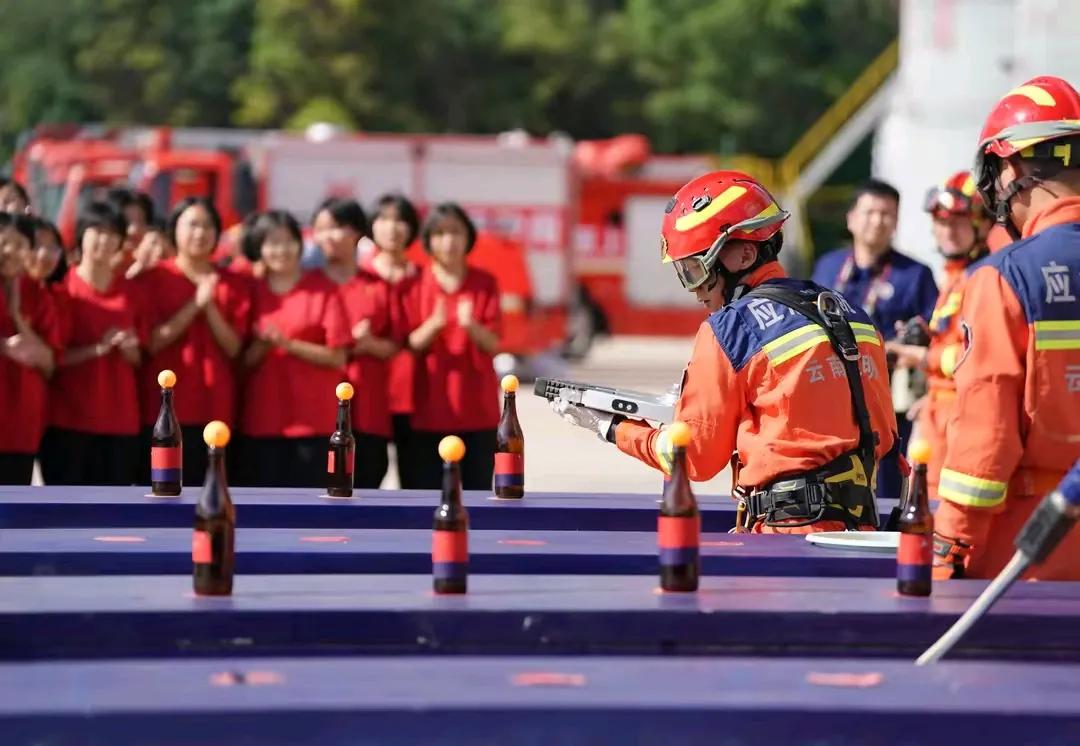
[
  {"x": 509, "y": 463},
  {"x": 449, "y": 546},
  {"x": 915, "y": 549},
  {"x": 679, "y": 533},
  {"x": 166, "y": 457},
  {"x": 201, "y": 553},
  {"x": 331, "y": 461}
]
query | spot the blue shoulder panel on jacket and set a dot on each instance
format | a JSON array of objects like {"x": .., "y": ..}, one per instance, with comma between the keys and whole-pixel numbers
[
  {"x": 1044, "y": 272},
  {"x": 745, "y": 326}
]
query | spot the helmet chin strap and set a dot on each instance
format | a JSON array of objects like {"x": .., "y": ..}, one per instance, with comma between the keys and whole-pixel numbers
[
  {"x": 1003, "y": 206},
  {"x": 733, "y": 289}
]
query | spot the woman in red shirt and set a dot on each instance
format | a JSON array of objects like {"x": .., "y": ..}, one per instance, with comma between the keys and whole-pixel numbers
[
  {"x": 339, "y": 225},
  {"x": 29, "y": 332},
  {"x": 297, "y": 358},
  {"x": 198, "y": 317},
  {"x": 46, "y": 263},
  {"x": 395, "y": 226},
  {"x": 453, "y": 311},
  {"x": 93, "y": 422}
]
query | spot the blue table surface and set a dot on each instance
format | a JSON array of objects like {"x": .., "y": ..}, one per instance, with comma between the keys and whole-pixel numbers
[
  {"x": 115, "y": 616},
  {"x": 535, "y": 700},
  {"x": 262, "y": 551},
  {"x": 70, "y": 507}
]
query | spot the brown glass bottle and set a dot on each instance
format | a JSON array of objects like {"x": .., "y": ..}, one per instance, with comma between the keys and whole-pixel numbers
[
  {"x": 915, "y": 555},
  {"x": 509, "y": 477},
  {"x": 341, "y": 457},
  {"x": 166, "y": 444},
  {"x": 450, "y": 534},
  {"x": 213, "y": 547},
  {"x": 679, "y": 525}
]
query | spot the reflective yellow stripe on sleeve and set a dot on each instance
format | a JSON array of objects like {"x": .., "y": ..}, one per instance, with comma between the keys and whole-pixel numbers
[
  {"x": 965, "y": 489},
  {"x": 1057, "y": 335}
]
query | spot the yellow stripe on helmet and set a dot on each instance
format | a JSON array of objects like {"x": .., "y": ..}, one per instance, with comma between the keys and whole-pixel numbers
[
  {"x": 1037, "y": 94},
  {"x": 694, "y": 219}
]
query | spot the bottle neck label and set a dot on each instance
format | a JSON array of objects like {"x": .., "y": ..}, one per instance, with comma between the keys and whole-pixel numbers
[
  {"x": 509, "y": 470},
  {"x": 166, "y": 463}
]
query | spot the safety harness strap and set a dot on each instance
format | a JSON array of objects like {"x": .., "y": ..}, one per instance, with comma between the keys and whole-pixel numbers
[{"x": 827, "y": 312}]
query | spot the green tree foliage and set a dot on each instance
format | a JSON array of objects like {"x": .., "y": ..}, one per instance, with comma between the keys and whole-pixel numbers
[{"x": 745, "y": 75}]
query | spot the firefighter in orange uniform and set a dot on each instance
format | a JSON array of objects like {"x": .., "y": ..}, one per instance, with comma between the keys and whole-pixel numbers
[
  {"x": 960, "y": 226},
  {"x": 1016, "y": 427},
  {"x": 783, "y": 372}
]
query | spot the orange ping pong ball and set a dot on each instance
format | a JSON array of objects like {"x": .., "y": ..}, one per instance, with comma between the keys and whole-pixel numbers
[
  {"x": 216, "y": 434},
  {"x": 919, "y": 452},
  {"x": 451, "y": 448},
  {"x": 509, "y": 384},
  {"x": 679, "y": 433},
  {"x": 166, "y": 379},
  {"x": 344, "y": 391}
]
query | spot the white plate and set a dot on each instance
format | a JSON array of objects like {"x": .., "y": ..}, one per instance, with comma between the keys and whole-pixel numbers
[{"x": 884, "y": 542}]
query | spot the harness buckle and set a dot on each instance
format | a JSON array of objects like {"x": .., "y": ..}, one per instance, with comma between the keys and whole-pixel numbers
[{"x": 832, "y": 316}]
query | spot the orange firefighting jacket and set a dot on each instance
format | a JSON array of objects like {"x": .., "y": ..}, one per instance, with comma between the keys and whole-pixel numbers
[
  {"x": 1016, "y": 426},
  {"x": 946, "y": 343},
  {"x": 764, "y": 380}
]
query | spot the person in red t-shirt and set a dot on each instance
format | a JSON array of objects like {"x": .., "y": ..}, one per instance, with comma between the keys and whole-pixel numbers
[
  {"x": 453, "y": 312},
  {"x": 155, "y": 247},
  {"x": 13, "y": 197},
  {"x": 394, "y": 227},
  {"x": 29, "y": 333},
  {"x": 198, "y": 317},
  {"x": 138, "y": 210},
  {"x": 297, "y": 358},
  {"x": 93, "y": 422},
  {"x": 339, "y": 225},
  {"x": 46, "y": 262}
]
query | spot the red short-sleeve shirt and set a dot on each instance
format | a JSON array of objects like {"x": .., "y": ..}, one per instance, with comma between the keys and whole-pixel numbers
[
  {"x": 399, "y": 384},
  {"x": 285, "y": 396},
  {"x": 206, "y": 384},
  {"x": 455, "y": 387},
  {"x": 367, "y": 296},
  {"x": 25, "y": 389},
  {"x": 97, "y": 395}
]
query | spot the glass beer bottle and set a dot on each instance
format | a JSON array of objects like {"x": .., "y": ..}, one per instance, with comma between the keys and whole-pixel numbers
[
  {"x": 213, "y": 545},
  {"x": 341, "y": 457},
  {"x": 509, "y": 478},
  {"x": 166, "y": 443},
  {"x": 450, "y": 535},
  {"x": 915, "y": 555},
  {"x": 679, "y": 525}
]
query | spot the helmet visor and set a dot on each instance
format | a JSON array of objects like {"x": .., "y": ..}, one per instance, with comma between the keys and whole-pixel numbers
[{"x": 691, "y": 271}]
